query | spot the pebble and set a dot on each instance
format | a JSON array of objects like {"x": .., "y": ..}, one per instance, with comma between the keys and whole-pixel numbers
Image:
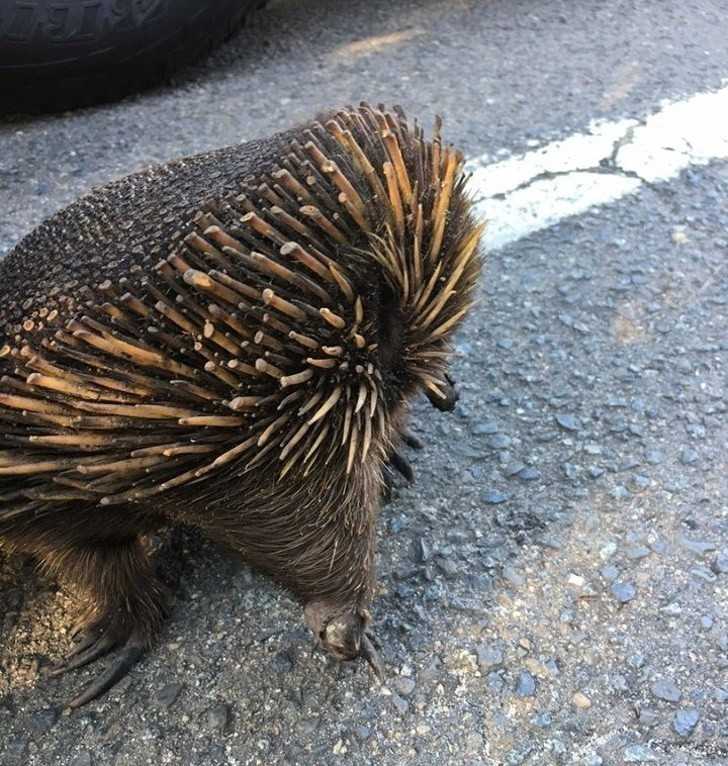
[
  {"x": 404, "y": 685},
  {"x": 82, "y": 759},
  {"x": 529, "y": 473},
  {"x": 623, "y": 591},
  {"x": 688, "y": 456},
  {"x": 489, "y": 657},
  {"x": 596, "y": 471},
  {"x": 400, "y": 705},
  {"x": 513, "y": 469},
  {"x": 665, "y": 689},
  {"x": 654, "y": 456},
  {"x": 647, "y": 716},
  {"x": 526, "y": 684},
  {"x": 638, "y": 754},
  {"x": 568, "y": 422},
  {"x": 636, "y": 552},
  {"x": 168, "y": 694},
  {"x": 495, "y": 497},
  {"x": 489, "y": 427},
  {"x": 43, "y": 721},
  {"x": 609, "y": 572},
  {"x": 581, "y": 701},
  {"x": 218, "y": 717},
  {"x": 699, "y": 547},
  {"x": 499, "y": 441},
  {"x": 685, "y": 721},
  {"x": 513, "y": 576},
  {"x": 636, "y": 660},
  {"x": 720, "y": 563}
]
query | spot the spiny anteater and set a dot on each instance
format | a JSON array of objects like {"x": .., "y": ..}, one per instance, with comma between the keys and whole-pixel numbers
[{"x": 229, "y": 341}]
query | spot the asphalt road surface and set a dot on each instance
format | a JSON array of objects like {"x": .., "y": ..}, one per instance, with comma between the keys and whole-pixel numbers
[{"x": 553, "y": 587}]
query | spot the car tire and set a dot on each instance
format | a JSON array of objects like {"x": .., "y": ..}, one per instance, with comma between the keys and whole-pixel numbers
[{"x": 61, "y": 54}]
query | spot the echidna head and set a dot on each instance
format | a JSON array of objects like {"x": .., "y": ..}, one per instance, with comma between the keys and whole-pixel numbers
[{"x": 429, "y": 275}]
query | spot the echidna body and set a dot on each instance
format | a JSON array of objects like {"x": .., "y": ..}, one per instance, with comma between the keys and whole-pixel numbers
[{"x": 229, "y": 341}]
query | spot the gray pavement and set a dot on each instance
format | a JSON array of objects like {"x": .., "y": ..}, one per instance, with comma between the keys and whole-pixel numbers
[{"x": 553, "y": 587}]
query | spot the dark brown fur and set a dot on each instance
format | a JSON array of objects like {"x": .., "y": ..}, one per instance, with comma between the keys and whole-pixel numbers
[{"x": 144, "y": 305}]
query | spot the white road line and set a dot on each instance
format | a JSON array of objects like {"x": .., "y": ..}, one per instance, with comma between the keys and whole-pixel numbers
[{"x": 533, "y": 191}]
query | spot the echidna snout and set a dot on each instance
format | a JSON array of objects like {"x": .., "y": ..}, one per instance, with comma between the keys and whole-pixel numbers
[{"x": 343, "y": 632}]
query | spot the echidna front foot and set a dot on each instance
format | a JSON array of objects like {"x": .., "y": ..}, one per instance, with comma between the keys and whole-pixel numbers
[{"x": 343, "y": 631}]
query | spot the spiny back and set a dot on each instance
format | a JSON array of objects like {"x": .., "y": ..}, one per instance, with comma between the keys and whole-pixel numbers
[{"x": 306, "y": 298}]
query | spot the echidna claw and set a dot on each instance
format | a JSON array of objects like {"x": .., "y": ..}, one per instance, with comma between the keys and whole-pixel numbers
[
  {"x": 411, "y": 440},
  {"x": 400, "y": 462},
  {"x": 371, "y": 655}
]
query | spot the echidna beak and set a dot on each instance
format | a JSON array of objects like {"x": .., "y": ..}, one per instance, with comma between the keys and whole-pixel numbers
[{"x": 371, "y": 655}]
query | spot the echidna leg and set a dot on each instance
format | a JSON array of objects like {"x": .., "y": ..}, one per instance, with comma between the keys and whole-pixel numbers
[
  {"x": 127, "y": 606},
  {"x": 101, "y": 554}
]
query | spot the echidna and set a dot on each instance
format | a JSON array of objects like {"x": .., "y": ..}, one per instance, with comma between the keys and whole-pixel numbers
[{"x": 229, "y": 341}]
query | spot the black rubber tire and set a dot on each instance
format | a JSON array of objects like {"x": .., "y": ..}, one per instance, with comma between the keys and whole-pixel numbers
[{"x": 61, "y": 54}]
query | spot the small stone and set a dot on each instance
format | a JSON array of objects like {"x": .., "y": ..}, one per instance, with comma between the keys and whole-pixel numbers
[
  {"x": 489, "y": 657},
  {"x": 404, "y": 685},
  {"x": 218, "y": 717},
  {"x": 654, "y": 456},
  {"x": 704, "y": 574},
  {"x": 568, "y": 422},
  {"x": 362, "y": 733},
  {"x": 639, "y": 483},
  {"x": 514, "y": 577},
  {"x": 679, "y": 237},
  {"x": 620, "y": 492},
  {"x": 571, "y": 471},
  {"x": 698, "y": 547},
  {"x": 688, "y": 456},
  {"x": 665, "y": 689},
  {"x": 526, "y": 684},
  {"x": 82, "y": 759},
  {"x": 685, "y": 721},
  {"x": 15, "y": 751},
  {"x": 423, "y": 551},
  {"x": 529, "y": 473},
  {"x": 499, "y": 441},
  {"x": 638, "y": 754},
  {"x": 608, "y": 550},
  {"x": 340, "y": 748},
  {"x": 706, "y": 622},
  {"x": 624, "y": 591},
  {"x": 720, "y": 563},
  {"x": 647, "y": 716},
  {"x": 596, "y": 471},
  {"x": 581, "y": 701},
  {"x": 448, "y": 567},
  {"x": 400, "y": 705},
  {"x": 43, "y": 721},
  {"x": 636, "y": 661},
  {"x": 495, "y": 497},
  {"x": 636, "y": 552},
  {"x": 489, "y": 427},
  {"x": 168, "y": 694},
  {"x": 513, "y": 469},
  {"x": 609, "y": 572}
]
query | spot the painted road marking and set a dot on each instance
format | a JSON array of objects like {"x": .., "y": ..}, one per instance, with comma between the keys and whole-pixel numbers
[{"x": 523, "y": 194}]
